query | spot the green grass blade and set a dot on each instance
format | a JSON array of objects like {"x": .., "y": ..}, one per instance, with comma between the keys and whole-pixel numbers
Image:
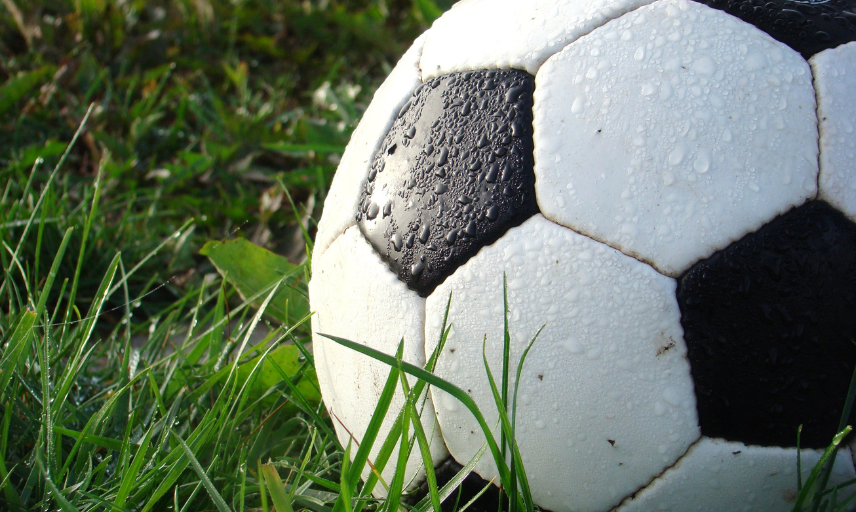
[
  {"x": 175, "y": 470},
  {"x": 381, "y": 460},
  {"x": 808, "y": 487},
  {"x": 62, "y": 501},
  {"x": 46, "y": 289},
  {"x": 389, "y": 444},
  {"x": 372, "y": 430},
  {"x": 87, "y": 226},
  {"x": 14, "y": 350},
  {"x": 842, "y": 423},
  {"x": 301, "y": 401},
  {"x": 396, "y": 486},
  {"x": 130, "y": 476},
  {"x": 478, "y": 495},
  {"x": 281, "y": 501},
  {"x": 506, "y": 365},
  {"x": 516, "y": 470},
  {"x": 209, "y": 486},
  {"x": 94, "y": 422},
  {"x": 455, "y": 482},
  {"x": 46, "y": 186},
  {"x": 505, "y": 425},
  {"x": 303, "y": 463},
  {"x": 42, "y": 354},
  {"x": 424, "y": 445},
  {"x": 8, "y": 490},
  {"x": 76, "y": 362},
  {"x": 437, "y": 382},
  {"x": 346, "y": 494}
]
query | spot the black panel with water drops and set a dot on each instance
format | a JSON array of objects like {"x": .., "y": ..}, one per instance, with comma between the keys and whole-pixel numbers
[
  {"x": 453, "y": 174},
  {"x": 768, "y": 323},
  {"x": 807, "y": 26}
]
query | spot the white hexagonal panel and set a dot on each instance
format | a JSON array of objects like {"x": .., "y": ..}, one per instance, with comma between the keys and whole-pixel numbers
[
  {"x": 340, "y": 206},
  {"x": 606, "y": 399},
  {"x": 672, "y": 131},
  {"x": 722, "y": 476},
  {"x": 490, "y": 34},
  {"x": 835, "y": 82},
  {"x": 351, "y": 289}
]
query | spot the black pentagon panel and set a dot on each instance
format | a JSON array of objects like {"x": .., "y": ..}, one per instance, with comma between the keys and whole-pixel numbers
[
  {"x": 453, "y": 174},
  {"x": 807, "y": 26},
  {"x": 768, "y": 324}
]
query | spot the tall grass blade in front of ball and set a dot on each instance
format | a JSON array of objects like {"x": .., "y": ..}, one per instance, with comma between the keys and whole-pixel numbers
[
  {"x": 508, "y": 428},
  {"x": 521, "y": 499},
  {"x": 814, "y": 491},
  {"x": 397, "y": 433},
  {"x": 352, "y": 467},
  {"x": 418, "y": 394},
  {"x": 414, "y": 418},
  {"x": 827, "y": 470}
]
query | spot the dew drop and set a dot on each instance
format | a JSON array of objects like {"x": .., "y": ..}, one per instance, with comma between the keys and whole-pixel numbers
[
  {"x": 492, "y": 173},
  {"x": 373, "y": 211},
  {"x": 678, "y": 153},
  {"x": 443, "y": 157},
  {"x": 471, "y": 229},
  {"x": 492, "y": 212},
  {"x": 572, "y": 346},
  {"x": 705, "y": 66},
  {"x": 417, "y": 268},
  {"x": 702, "y": 161}
]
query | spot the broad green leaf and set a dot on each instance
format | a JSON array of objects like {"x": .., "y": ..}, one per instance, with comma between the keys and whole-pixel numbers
[
  {"x": 428, "y": 9},
  {"x": 303, "y": 149},
  {"x": 287, "y": 358},
  {"x": 29, "y": 155},
  {"x": 90, "y": 7},
  {"x": 21, "y": 85},
  {"x": 251, "y": 269}
]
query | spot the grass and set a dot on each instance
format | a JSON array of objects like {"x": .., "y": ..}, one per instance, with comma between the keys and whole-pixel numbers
[
  {"x": 149, "y": 415},
  {"x": 204, "y": 109},
  {"x": 132, "y": 376}
]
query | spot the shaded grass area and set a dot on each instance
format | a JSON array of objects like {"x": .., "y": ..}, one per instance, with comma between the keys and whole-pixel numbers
[
  {"x": 176, "y": 411},
  {"x": 204, "y": 109}
]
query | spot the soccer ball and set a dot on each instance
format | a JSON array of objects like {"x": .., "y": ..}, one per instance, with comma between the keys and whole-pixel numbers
[{"x": 668, "y": 187}]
